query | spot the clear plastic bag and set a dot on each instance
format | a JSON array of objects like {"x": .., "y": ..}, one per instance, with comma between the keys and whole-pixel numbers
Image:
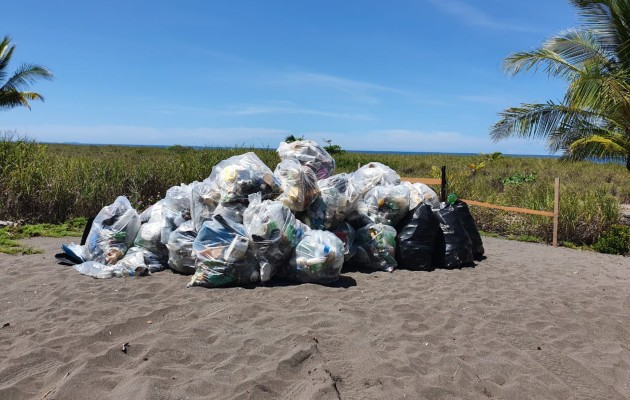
[
  {"x": 176, "y": 208},
  {"x": 309, "y": 154},
  {"x": 415, "y": 197},
  {"x": 224, "y": 255},
  {"x": 386, "y": 204},
  {"x": 180, "y": 248},
  {"x": 369, "y": 176},
  {"x": 346, "y": 233},
  {"x": 428, "y": 195},
  {"x": 205, "y": 199},
  {"x": 333, "y": 205},
  {"x": 299, "y": 185},
  {"x": 276, "y": 232},
  {"x": 377, "y": 243},
  {"x": 318, "y": 258},
  {"x": 242, "y": 175},
  {"x": 113, "y": 231}
]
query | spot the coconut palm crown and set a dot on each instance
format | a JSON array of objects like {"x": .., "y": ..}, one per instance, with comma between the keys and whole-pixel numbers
[
  {"x": 593, "y": 118},
  {"x": 11, "y": 89}
]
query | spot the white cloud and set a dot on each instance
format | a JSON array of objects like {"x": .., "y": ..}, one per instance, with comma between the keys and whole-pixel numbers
[{"x": 471, "y": 15}]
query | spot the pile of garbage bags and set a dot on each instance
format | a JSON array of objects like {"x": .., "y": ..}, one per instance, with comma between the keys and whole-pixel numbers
[{"x": 245, "y": 224}]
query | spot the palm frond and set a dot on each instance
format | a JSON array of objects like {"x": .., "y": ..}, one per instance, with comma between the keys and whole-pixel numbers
[
  {"x": 6, "y": 52},
  {"x": 552, "y": 63},
  {"x": 14, "y": 98},
  {"x": 579, "y": 46},
  {"x": 596, "y": 146},
  {"x": 26, "y": 75}
]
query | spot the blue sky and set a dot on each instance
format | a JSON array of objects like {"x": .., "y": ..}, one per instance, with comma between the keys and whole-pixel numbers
[{"x": 403, "y": 75}]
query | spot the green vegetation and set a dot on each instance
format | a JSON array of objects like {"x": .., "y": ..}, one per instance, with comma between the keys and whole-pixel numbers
[
  {"x": 53, "y": 183},
  {"x": 616, "y": 240},
  {"x": 9, "y": 235},
  {"x": 11, "y": 94},
  {"x": 593, "y": 119}
]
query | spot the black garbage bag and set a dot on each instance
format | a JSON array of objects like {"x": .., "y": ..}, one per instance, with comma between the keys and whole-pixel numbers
[
  {"x": 458, "y": 246},
  {"x": 417, "y": 238},
  {"x": 469, "y": 224}
]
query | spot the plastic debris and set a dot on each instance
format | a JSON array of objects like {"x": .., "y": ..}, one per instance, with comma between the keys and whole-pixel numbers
[
  {"x": 458, "y": 247},
  {"x": 276, "y": 232},
  {"x": 377, "y": 247},
  {"x": 333, "y": 204},
  {"x": 418, "y": 236},
  {"x": 428, "y": 195},
  {"x": 299, "y": 185},
  {"x": 386, "y": 204},
  {"x": 318, "y": 258},
  {"x": 346, "y": 233},
  {"x": 180, "y": 248},
  {"x": 224, "y": 255},
  {"x": 369, "y": 176},
  {"x": 471, "y": 228},
  {"x": 176, "y": 208},
  {"x": 242, "y": 175},
  {"x": 205, "y": 197},
  {"x": 309, "y": 154}
]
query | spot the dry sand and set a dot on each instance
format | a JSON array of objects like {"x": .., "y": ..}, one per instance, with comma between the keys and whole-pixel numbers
[{"x": 528, "y": 322}]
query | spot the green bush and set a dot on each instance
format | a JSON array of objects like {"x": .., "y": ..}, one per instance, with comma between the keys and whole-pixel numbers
[{"x": 616, "y": 240}]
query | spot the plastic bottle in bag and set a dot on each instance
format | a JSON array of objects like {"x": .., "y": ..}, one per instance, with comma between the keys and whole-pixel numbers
[
  {"x": 387, "y": 204},
  {"x": 180, "y": 248},
  {"x": 318, "y": 258},
  {"x": 378, "y": 242},
  {"x": 299, "y": 185},
  {"x": 309, "y": 154}
]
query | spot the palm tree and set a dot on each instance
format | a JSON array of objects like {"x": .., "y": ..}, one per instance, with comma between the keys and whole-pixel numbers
[
  {"x": 593, "y": 118},
  {"x": 11, "y": 94}
]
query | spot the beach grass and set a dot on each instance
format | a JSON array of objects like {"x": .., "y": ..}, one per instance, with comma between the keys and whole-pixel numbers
[{"x": 52, "y": 183}]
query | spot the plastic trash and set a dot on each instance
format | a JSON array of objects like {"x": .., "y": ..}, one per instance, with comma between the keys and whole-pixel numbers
[
  {"x": 387, "y": 204},
  {"x": 299, "y": 185},
  {"x": 176, "y": 208},
  {"x": 180, "y": 248},
  {"x": 471, "y": 228},
  {"x": 416, "y": 239},
  {"x": 318, "y": 258},
  {"x": 224, "y": 255},
  {"x": 369, "y": 176},
  {"x": 333, "y": 204},
  {"x": 149, "y": 238},
  {"x": 242, "y": 175},
  {"x": 377, "y": 245},
  {"x": 276, "y": 232},
  {"x": 428, "y": 195},
  {"x": 458, "y": 246},
  {"x": 205, "y": 197},
  {"x": 139, "y": 261},
  {"x": 415, "y": 197},
  {"x": 346, "y": 233},
  {"x": 112, "y": 233},
  {"x": 309, "y": 154},
  {"x": 98, "y": 270}
]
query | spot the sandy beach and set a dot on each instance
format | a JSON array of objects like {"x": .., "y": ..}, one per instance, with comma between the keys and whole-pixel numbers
[{"x": 530, "y": 321}]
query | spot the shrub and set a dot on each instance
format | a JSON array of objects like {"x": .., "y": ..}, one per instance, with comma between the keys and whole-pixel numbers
[{"x": 616, "y": 240}]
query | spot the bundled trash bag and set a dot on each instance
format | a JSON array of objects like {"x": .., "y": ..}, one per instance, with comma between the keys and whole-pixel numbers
[
  {"x": 205, "y": 198},
  {"x": 386, "y": 204},
  {"x": 318, "y": 258},
  {"x": 242, "y": 175},
  {"x": 415, "y": 197},
  {"x": 369, "y": 176},
  {"x": 332, "y": 206},
  {"x": 275, "y": 231},
  {"x": 225, "y": 256},
  {"x": 346, "y": 233},
  {"x": 309, "y": 154},
  {"x": 458, "y": 246},
  {"x": 139, "y": 262},
  {"x": 234, "y": 211},
  {"x": 180, "y": 248},
  {"x": 149, "y": 238},
  {"x": 471, "y": 228},
  {"x": 299, "y": 185},
  {"x": 428, "y": 195},
  {"x": 113, "y": 231},
  {"x": 359, "y": 218},
  {"x": 376, "y": 247},
  {"x": 176, "y": 208},
  {"x": 416, "y": 240},
  {"x": 98, "y": 270}
]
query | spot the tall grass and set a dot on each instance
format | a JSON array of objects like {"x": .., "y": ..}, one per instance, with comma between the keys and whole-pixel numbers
[{"x": 56, "y": 182}]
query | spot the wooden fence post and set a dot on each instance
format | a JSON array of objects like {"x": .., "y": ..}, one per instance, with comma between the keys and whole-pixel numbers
[
  {"x": 556, "y": 210},
  {"x": 443, "y": 184}
]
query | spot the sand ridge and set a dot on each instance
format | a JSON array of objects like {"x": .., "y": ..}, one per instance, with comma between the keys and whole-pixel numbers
[{"x": 530, "y": 321}]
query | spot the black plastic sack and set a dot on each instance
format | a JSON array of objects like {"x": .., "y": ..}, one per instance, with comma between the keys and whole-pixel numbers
[
  {"x": 458, "y": 246},
  {"x": 471, "y": 228},
  {"x": 416, "y": 239}
]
